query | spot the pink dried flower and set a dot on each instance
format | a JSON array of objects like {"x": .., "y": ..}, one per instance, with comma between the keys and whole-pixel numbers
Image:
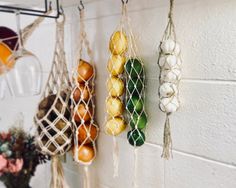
[
  {"x": 15, "y": 166},
  {"x": 3, "y": 164},
  {"x": 5, "y": 136}
]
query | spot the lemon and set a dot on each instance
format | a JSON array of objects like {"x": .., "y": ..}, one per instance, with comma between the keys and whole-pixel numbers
[
  {"x": 114, "y": 106},
  {"x": 115, "y": 86},
  {"x": 116, "y": 64},
  {"x": 118, "y": 43},
  {"x": 115, "y": 126}
]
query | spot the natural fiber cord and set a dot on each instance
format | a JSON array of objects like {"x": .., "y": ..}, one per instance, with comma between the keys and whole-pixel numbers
[
  {"x": 53, "y": 118},
  {"x": 169, "y": 62}
]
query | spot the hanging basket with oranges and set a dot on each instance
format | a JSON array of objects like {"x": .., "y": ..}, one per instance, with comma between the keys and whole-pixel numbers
[
  {"x": 53, "y": 118},
  {"x": 82, "y": 97},
  {"x": 169, "y": 62}
]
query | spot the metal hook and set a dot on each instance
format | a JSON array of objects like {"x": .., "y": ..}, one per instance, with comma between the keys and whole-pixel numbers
[
  {"x": 124, "y": 2},
  {"x": 61, "y": 10},
  {"x": 81, "y": 6},
  {"x": 50, "y": 5}
]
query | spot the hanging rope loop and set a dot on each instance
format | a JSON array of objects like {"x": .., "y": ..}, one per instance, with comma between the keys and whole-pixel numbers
[
  {"x": 124, "y": 2},
  {"x": 61, "y": 12},
  {"x": 81, "y": 6},
  {"x": 171, "y": 9},
  {"x": 61, "y": 19}
]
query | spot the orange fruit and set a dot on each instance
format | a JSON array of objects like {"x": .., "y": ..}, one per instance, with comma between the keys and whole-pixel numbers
[
  {"x": 83, "y": 113},
  {"x": 87, "y": 132},
  {"x": 85, "y": 154},
  {"x": 82, "y": 93},
  {"x": 85, "y": 71},
  {"x": 5, "y": 54}
]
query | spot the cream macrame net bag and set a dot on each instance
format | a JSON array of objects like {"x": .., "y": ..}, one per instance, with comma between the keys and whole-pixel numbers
[
  {"x": 169, "y": 62},
  {"x": 53, "y": 118},
  {"x": 83, "y": 104},
  {"x": 115, "y": 108},
  {"x": 135, "y": 93}
]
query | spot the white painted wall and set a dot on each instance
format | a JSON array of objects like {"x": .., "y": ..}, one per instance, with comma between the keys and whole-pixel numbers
[{"x": 204, "y": 131}]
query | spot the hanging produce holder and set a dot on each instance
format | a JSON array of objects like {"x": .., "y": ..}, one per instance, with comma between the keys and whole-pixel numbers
[
  {"x": 53, "y": 118},
  {"x": 169, "y": 62},
  {"x": 115, "y": 121},
  {"x": 136, "y": 115},
  {"x": 83, "y": 103},
  {"x": 135, "y": 89}
]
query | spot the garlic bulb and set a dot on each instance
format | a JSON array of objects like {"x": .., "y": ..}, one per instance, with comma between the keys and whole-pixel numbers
[
  {"x": 172, "y": 76},
  {"x": 162, "y": 61},
  {"x": 169, "y": 105},
  {"x": 170, "y": 61},
  {"x": 168, "y": 90},
  {"x": 169, "y": 46}
]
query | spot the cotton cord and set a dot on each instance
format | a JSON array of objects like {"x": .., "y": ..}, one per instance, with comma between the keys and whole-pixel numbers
[
  {"x": 119, "y": 76},
  {"x": 53, "y": 139},
  {"x": 29, "y": 29},
  {"x": 170, "y": 75},
  {"x": 86, "y": 178},
  {"x": 167, "y": 140},
  {"x": 89, "y": 103},
  {"x": 133, "y": 53},
  {"x": 135, "y": 184},
  {"x": 115, "y": 157},
  {"x": 58, "y": 179}
]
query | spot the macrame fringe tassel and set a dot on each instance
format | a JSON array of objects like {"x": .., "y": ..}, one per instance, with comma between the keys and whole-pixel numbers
[
  {"x": 115, "y": 158},
  {"x": 57, "y": 172},
  {"x": 167, "y": 141},
  {"x": 86, "y": 179},
  {"x": 135, "y": 185}
]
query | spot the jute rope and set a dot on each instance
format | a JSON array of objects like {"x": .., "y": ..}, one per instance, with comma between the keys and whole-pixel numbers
[
  {"x": 53, "y": 119},
  {"x": 115, "y": 123},
  {"x": 90, "y": 124},
  {"x": 29, "y": 29},
  {"x": 170, "y": 75},
  {"x": 136, "y": 135}
]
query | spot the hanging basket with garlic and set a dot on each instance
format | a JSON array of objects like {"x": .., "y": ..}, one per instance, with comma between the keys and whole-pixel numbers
[
  {"x": 53, "y": 118},
  {"x": 169, "y": 62}
]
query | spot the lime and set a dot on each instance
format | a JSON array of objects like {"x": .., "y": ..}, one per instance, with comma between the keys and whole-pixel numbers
[
  {"x": 134, "y": 68},
  {"x": 135, "y": 86},
  {"x": 136, "y": 137},
  {"x": 139, "y": 121},
  {"x": 134, "y": 104}
]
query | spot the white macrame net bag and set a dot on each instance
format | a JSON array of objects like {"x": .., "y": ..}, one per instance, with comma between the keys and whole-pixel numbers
[
  {"x": 115, "y": 108},
  {"x": 169, "y": 62},
  {"x": 53, "y": 118},
  {"x": 83, "y": 104}
]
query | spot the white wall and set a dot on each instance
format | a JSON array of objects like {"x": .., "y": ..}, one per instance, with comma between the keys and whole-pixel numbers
[{"x": 204, "y": 131}]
